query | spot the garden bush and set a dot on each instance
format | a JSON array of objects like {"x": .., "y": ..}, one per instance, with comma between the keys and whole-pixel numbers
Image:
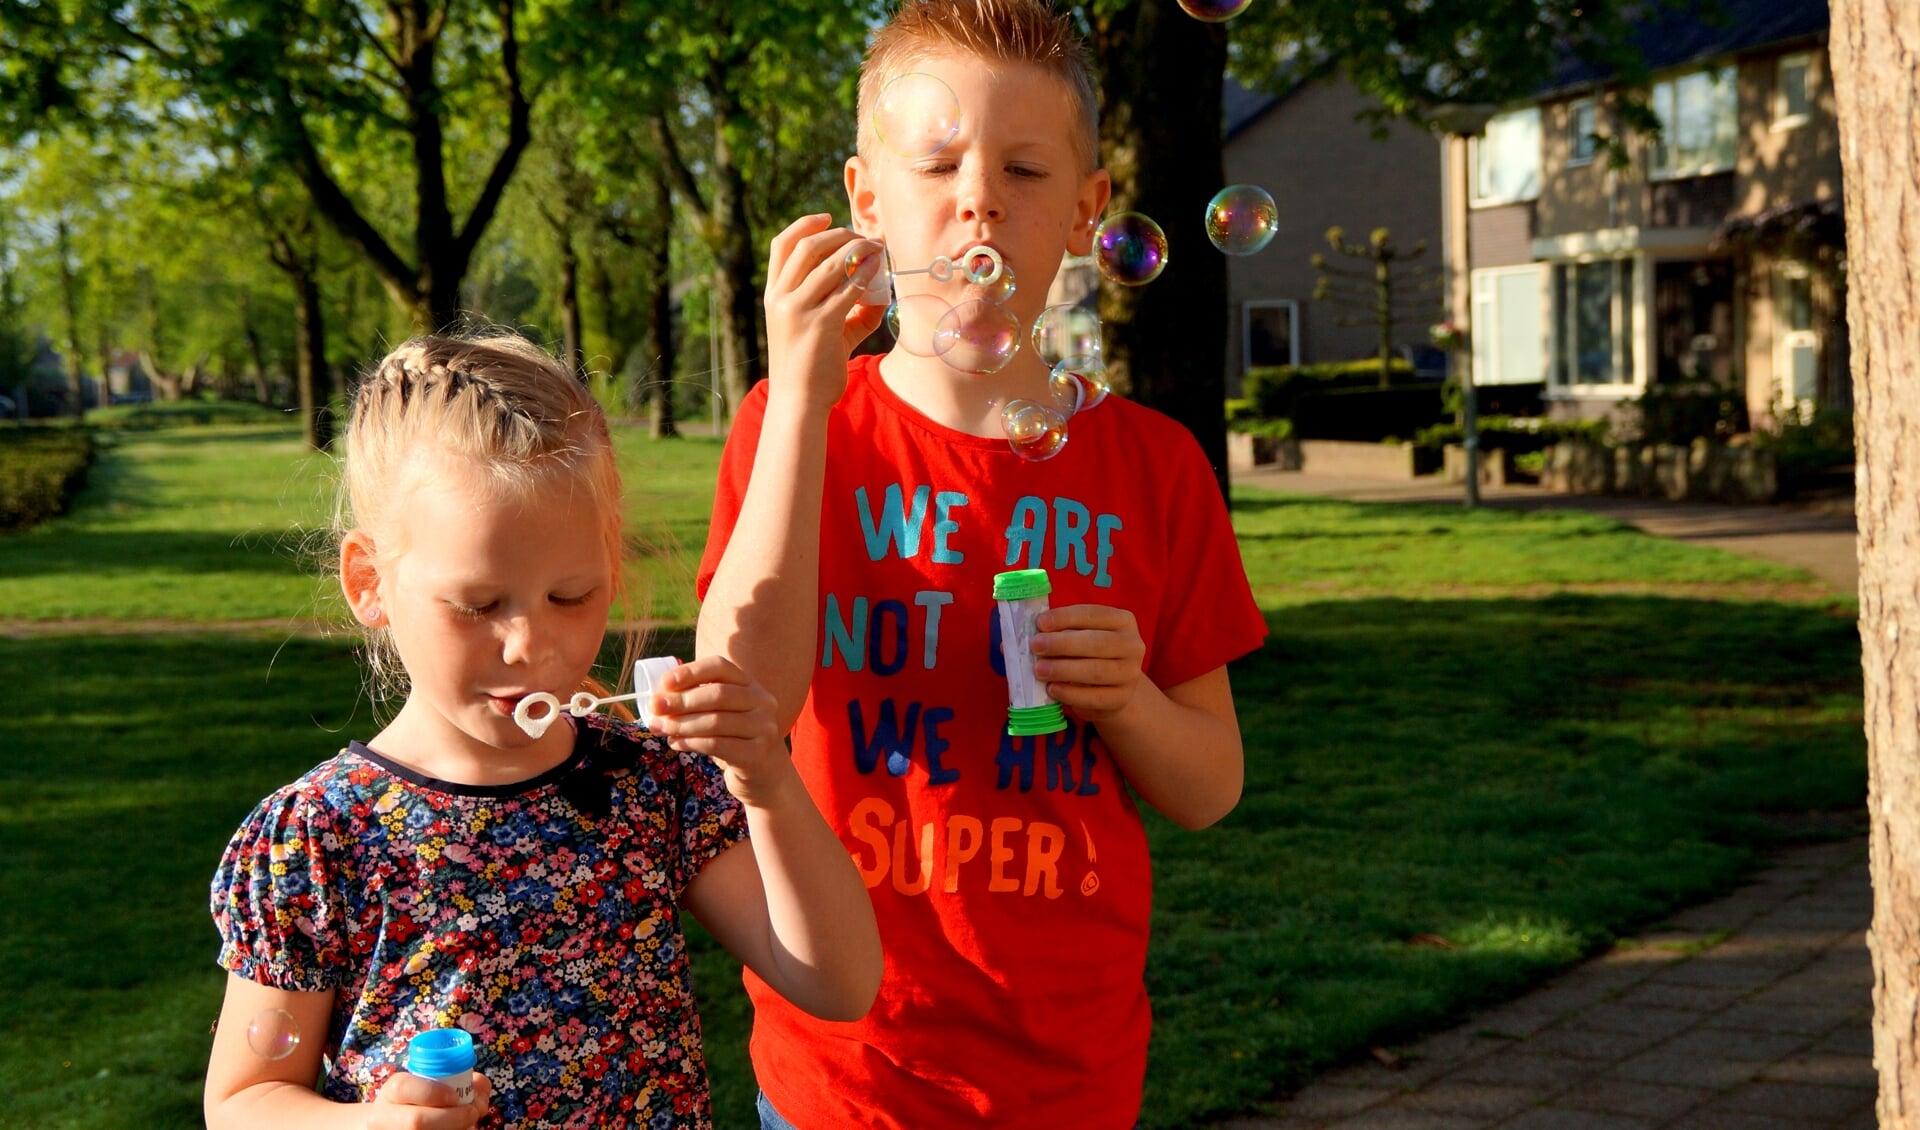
[
  {"x": 1813, "y": 452},
  {"x": 1516, "y": 435},
  {"x": 1274, "y": 389},
  {"x": 1368, "y": 414},
  {"x": 40, "y": 469}
]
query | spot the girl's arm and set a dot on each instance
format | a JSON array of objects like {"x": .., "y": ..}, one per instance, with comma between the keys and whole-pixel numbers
[
  {"x": 787, "y": 901},
  {"x": 247, "y": 1090}
]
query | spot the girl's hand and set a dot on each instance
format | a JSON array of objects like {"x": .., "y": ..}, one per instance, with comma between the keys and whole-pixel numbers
[
  {"x": 409, "y": 1102},
  {"x": 814, "y": 314},
  {"x": 1089, "y": 656},
  {"x": 711, "y": 707}
]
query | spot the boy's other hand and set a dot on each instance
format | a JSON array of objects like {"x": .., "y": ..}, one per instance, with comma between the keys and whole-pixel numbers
[
  {"x": 711, "y": 707},
  {"x": 410, "y": 1102},
  {"x": 1089, "y": 656},
  {"x": 814, "y": 313}
]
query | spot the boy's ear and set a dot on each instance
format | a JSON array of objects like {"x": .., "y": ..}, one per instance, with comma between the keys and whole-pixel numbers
[
  {"x": 1095, "y": 190},
  {"x": 863, "y": 205},
  {"x": 360, "y": 578}
]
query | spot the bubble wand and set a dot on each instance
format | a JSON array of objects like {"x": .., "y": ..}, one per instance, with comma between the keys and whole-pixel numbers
[{"x": 646, "y": 673}]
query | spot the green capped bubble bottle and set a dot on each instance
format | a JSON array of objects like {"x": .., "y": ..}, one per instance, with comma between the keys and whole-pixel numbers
[{"x": 1021, "y": 596}]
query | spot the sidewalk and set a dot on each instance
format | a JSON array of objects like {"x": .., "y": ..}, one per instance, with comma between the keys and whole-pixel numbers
[
  {"x": 1815, "y": 539},
  {"x": 1753, "y": 1012}
]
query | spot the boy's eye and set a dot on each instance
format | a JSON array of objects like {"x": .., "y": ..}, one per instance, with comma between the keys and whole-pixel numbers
[{"x": 1027, "y": 172}]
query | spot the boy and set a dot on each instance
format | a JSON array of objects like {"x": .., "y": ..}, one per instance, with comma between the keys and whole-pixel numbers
[{"x": 862, "y": 511}]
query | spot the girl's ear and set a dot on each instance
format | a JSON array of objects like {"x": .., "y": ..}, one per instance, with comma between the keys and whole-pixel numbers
[{"x": 360, "y": 578}]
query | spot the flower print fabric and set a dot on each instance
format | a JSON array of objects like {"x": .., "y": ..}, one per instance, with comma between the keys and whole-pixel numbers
[{"x": 542, "y": 917}]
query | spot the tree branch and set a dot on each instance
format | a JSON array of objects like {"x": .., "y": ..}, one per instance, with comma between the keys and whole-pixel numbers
[
  {"x": 681, "y": 176},
  {"x": 519, "y": 133}
]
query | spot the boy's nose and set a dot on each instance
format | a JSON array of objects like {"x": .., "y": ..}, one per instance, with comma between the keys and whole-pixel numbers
[{"x": 979, "y": 200}]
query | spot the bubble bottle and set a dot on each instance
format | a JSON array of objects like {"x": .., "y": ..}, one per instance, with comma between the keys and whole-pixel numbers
[
  {"x": 1021, "y": 596},
  {"x": 444, "y": 1055}
]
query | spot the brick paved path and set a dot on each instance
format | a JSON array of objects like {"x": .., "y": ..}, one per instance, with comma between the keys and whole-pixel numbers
[{"x": 1750, "y": 1013}]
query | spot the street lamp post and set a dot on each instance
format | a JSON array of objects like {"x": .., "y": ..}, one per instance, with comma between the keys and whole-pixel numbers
[{"x": 1466, "y": 120}]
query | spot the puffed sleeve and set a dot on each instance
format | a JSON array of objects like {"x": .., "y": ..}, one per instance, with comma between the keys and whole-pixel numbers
[
  {"x": 278, "y": 896},
  {"x": 711, "y": 820}
]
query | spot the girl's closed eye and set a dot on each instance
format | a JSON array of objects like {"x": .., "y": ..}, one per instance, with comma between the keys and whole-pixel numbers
[
  {"x": 474, "y": 610},
  {"x": 572, "y": 601}
]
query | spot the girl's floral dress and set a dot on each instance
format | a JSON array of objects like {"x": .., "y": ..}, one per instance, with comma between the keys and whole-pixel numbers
[{"x": 542, "y": 917}]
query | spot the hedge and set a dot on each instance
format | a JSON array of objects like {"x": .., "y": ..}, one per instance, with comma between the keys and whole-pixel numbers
[
  {"x": 40, "y": 469},
  {"x": 1274, "y": 389},
  {"x": 1369, "y": 414}
]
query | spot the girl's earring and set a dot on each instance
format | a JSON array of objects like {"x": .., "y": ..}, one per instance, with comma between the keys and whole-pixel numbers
[{"x": 370, "y": 615}]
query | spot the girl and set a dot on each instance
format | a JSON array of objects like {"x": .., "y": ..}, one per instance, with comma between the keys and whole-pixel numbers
[{"x": 455, "y": 872}]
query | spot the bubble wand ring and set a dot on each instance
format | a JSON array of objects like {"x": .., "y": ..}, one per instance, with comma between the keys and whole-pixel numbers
[
  {"x": 646, "y": 672},
  {"x": 941, "y": 269}
]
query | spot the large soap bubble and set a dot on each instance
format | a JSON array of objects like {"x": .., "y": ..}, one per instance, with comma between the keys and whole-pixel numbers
[
  {"x": 866, "y": 268},
  {"x": 1066, "y": 331},
  {"x": 1214, "y": 11},
  {"x": 1130, "y": 249},
  {"x": 1241, "y": 219},
  {"x": 913, "y": 319},
  {"x": 1083, "y": 378},
  {"x": 916, "y": 115},
  {"x": 273, "y": 1033},
  {"x": 1035, "y": 431},
  {"x": 977, "y": 336}
]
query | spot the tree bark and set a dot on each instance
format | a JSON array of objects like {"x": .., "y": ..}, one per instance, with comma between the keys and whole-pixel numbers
[
  {"x": 661, "y": 343},
  {"x": 310, "y": 361},
  {"x": 1161, "y": 72},
  {"x": 1875, "y": 46},
  {"x": 76, "y": 374}
]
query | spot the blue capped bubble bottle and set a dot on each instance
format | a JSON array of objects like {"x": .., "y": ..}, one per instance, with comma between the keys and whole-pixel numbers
[{"x": 444, "y": 1055}]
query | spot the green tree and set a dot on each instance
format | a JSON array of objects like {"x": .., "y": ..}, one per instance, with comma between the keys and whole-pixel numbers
[{"x": 1389, "y": 291}]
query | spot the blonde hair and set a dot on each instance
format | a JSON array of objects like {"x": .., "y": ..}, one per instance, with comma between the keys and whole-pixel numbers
[
  {"x": 1006, "y": 31},
  {"x": 503, "y": 409}
]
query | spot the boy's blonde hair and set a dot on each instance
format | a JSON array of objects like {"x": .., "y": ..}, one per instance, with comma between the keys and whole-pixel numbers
[
  {"x": 494, "y": 405},
  {"x": 1005, "y": 31}
]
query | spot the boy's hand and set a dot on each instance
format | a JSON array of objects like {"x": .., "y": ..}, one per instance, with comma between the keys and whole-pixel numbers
[
  {"x": 814, "y": 314},
  {"x": 1089, "y": 656},
  {"x": 410, "y": 1102},
  {"x": 711, "y": 707}
]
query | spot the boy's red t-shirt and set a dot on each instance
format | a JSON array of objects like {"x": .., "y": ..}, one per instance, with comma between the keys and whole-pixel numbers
[{"x": 1009, "y": 875}]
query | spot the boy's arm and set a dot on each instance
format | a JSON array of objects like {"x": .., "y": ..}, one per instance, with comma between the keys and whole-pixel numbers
[
  {"x": 760, "y": 608},
  {"x": 1179, "y": 747}
]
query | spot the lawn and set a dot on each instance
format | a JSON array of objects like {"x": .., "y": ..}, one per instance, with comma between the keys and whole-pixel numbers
[{"x": 1522, "y": 733}]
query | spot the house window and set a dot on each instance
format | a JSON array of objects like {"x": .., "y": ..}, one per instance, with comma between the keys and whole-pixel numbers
[
  {"x": 1791, "y": 101},
  {"x": 1797, "y": 352},
  {"x": 1506, "y": 161},
  {"x": 1509, "y": 346},
  {"x": 1593, "y": 306},
  {"x": 1270, "y": 333},
  {"x": 1582, "y": 143},
  {"x": 1699, "y": 123}
]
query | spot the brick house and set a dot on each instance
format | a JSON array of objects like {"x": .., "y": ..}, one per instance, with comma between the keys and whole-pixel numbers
[{"x": 1713, "y": 257}]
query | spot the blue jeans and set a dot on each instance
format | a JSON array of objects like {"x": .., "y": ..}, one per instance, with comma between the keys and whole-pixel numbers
[{"x": 770, "y": 1118}]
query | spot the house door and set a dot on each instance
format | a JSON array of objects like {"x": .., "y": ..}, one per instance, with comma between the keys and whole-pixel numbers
[{"x": 1796, "y": 350}]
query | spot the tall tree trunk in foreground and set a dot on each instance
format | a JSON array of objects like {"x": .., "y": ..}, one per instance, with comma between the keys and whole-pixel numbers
[{"x": 1875, "y": 46}]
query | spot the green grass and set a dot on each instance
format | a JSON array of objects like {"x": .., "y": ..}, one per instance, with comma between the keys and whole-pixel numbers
[{"x": 1526, "y": 733}]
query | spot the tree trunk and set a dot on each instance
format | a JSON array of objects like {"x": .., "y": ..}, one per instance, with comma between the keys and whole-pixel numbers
[
  {"x": 1160, "y": 72},
  {"x": 571, "y": 350},
  {"x": 257, "y": 348},
  {"x": 1875, "y": 46},
  {"x": 76, "y": 374},
  {"x": 742, "y": 357},
  {"x": 310, "y": 361}
]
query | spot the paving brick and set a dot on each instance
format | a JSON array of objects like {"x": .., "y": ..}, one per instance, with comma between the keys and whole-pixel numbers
[
  {"x": 1521, "y": 1018},
  {"x": 1324, "y": 1101},
  {"x": 1694, "y": 998},
  {"x": 1825, "y": 1069},
  {"x": 1550, "y": 1073},
  {"x": 1392, "y": 1118},
  {"x": 1719, "y": 1043},
  {"x": 1628, "y": 1096},
  {"x": 1796, "y": 1100},
  {"x": 1686, "y": 1069},
  {"x": 1588, "y": 1043},
  {"x": 1852, "y": 1040},
  {"x": 1798, "y": 991},
  {"x": 1565, "y": 1118},
  {"x": 1733, "y": 1120},
  {"x": 1627, "y": 1016},
  {"x": 1729, "y": 972},
  {"x": 1464, "y": 1096},
  {"x": 1801, "y": 1019}
]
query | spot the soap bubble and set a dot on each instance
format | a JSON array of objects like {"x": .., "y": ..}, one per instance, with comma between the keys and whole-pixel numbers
[
  {"x": 916, "y": 115},
  {"x": 1088, "y": 375},
  {"x": 1214, "y": 11},
  {"x": 1067, "y": 392},
  {"x": 1066, "y": 331},
  {"x": 1130, "y": 249},
  {"x": 1035, "y": 431},
  {"x": 1241, "y": 219},
  {"x": 997, "y": 292},
  {"x": 865, "y": 265},
  {"x": 977, "y": 337},
  {"x": 273, "y": 1033},
  {"x": 912, "y": 319}
]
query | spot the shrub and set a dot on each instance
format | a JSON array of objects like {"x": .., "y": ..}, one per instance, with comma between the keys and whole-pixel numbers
[
  {"x": 40, "y": 469},
  {"x": 1808, "y": 451},
  {"x": 1264, "y": 428},
  {"x": 1368, "y": 414},
  {"x": 1274, "y": 389},
  {"x": 1681, "y": 413},
  {"x": 169, "y": 414},
  {"x": 1516, "y": 435}
]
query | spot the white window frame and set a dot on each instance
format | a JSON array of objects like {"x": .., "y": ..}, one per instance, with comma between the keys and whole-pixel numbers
[
  {"x": 1291, "y": 306},
  {"x": 1576, "y": 137},
  {"x": 1786, "y": 340},
  {"x": 1663, "y": 100},
  {"x": 1783, "y": 119},
  {"x": 1629, "y": 325},
  {"x": 1486, "y": 338},
  {"x": 1475, "y": 145}
]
